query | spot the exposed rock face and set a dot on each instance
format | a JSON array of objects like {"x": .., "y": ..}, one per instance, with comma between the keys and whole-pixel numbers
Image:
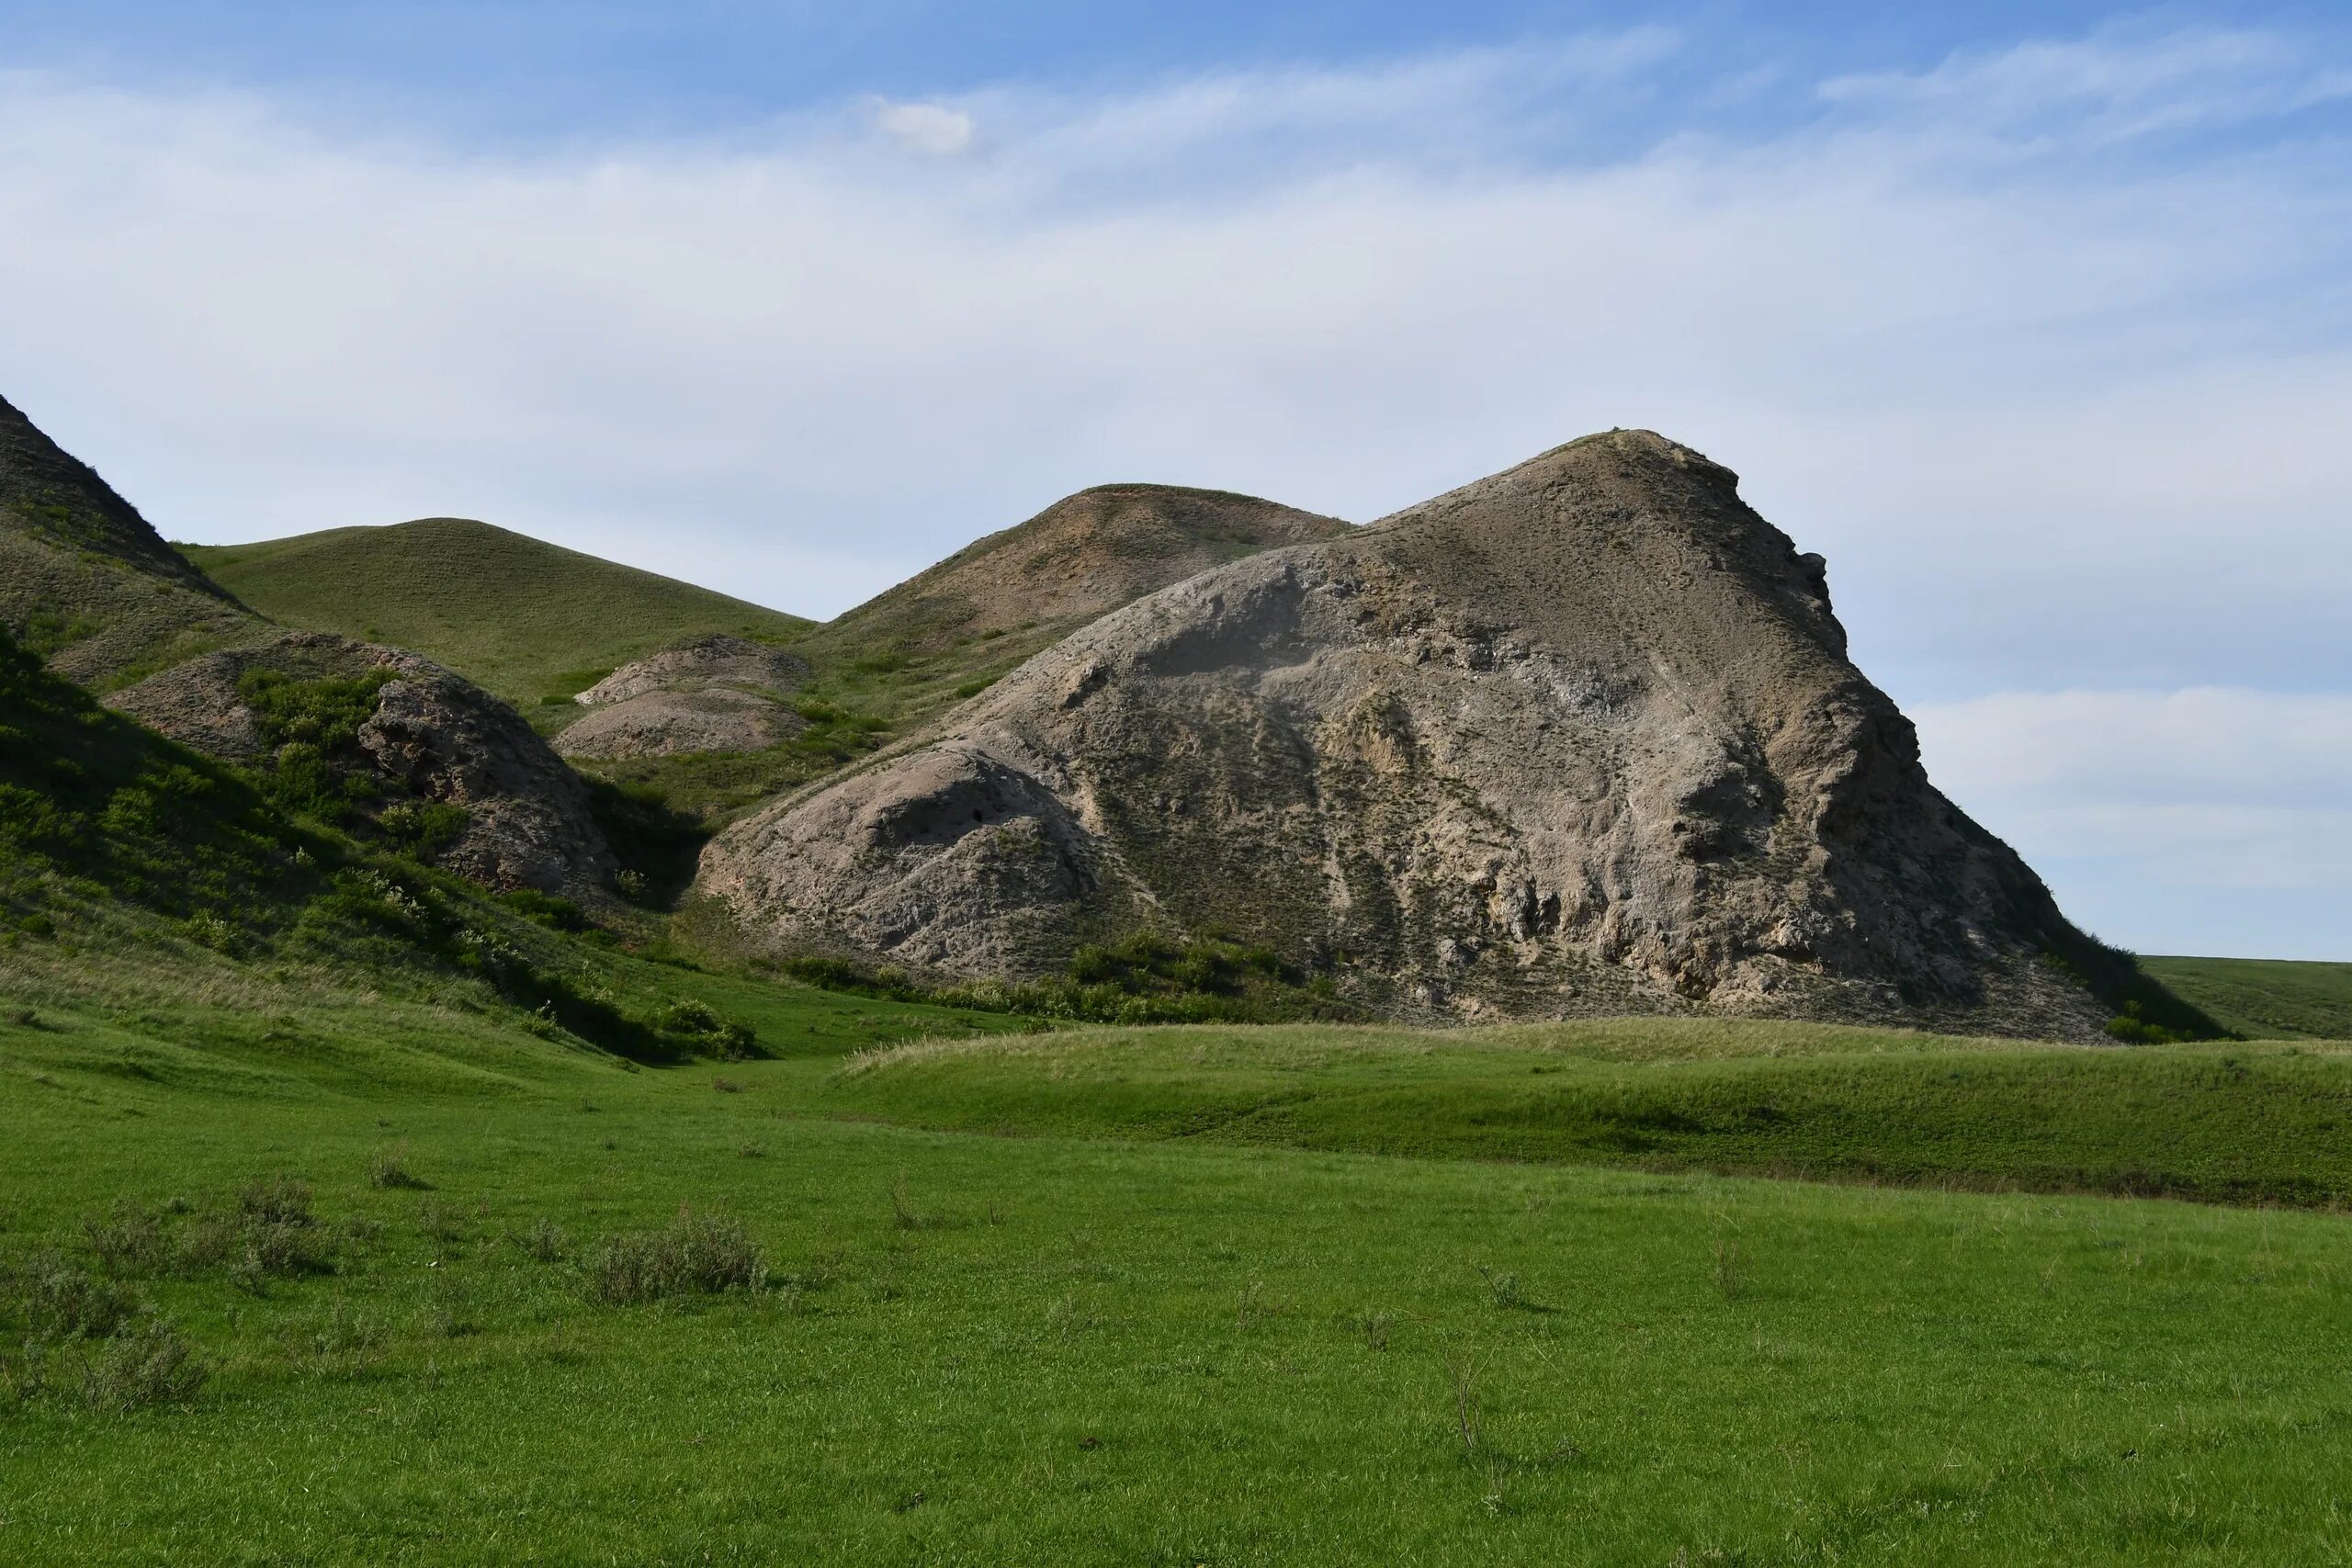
[
  {"x": 435, "y": 735},
  {"x": 87, "y": 581},
  {"x": 717, "y": 694},
  {"x": 1579, "y": 738},
  {"x": 721, "y": 661}
]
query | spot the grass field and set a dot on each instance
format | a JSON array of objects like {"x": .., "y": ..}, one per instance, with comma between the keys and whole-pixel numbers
[
  {"x": 2251, "y": 1124},
  {"x": 1083, "y": 1348},
  {"x": 528, "y": 620},
  {"x": 2264, "y": 998}
]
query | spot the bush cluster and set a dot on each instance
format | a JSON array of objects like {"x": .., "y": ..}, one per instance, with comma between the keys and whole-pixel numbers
[{"x": 693, "y": 1255}]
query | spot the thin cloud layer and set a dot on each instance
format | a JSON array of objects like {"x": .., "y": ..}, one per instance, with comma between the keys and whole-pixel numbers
[{"x": 2064, "y": 413}]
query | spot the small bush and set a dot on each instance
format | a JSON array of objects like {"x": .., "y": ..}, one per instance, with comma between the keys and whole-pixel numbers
[
  {"x": 546, "y": 910},
  {"x": 695, "y": 1025},
  {"x": 1503, "y": 1288},
  {"x": 389, "y": 1168},
  {"x": 424, "y": 827},
  {"x": 695, "y": 1254},
  {"x": 153, "y": 1366},
  {"x": 543, "y": 1243},
  {"x": 59, "y": 1302},
  {"x": 129, "y": 1239},
  {"x": 277, "y": 1200}
]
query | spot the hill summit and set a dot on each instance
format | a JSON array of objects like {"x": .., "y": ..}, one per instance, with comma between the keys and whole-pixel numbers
[
  {"x": 1579, "y": 738},
  {"x": 1085, "y": 555}
]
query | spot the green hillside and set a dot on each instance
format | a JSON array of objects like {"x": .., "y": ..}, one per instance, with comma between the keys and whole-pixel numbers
[
  {"x": 2264, "y": 998},
  {"x": 86, "y": 581},
  {"x": 529, "y": 621}
]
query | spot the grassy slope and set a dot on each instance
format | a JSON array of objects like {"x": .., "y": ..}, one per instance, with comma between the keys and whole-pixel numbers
[
  {"x": 2264, "y": 999},
  {"x": 85, "y": 578},
  {"x": 528, "y": 620},
  {"x": 2233, "y": 1123},
  {"x": 1051, "y": 1349}
]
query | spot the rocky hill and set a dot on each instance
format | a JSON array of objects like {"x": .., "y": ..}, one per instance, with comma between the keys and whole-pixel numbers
[
  {"x": 933, "y": 638},
  {"x": 1580, "y": 737},
  {"x": 716, "y": 694},
  {"x": 391, "y": 742},
  {"x": 86, "y": 581}
]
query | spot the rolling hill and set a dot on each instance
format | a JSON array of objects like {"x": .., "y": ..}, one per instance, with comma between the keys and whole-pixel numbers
[
  {"x": 532, "y": 622},
  {"x": 2264, "y": 999}
]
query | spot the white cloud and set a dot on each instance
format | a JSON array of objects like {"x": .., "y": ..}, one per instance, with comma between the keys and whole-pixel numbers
[
  {"x": 934, "y": 130},
  {"x": 2060, "y": 412},
  {"x": 2181, "y": 817}
]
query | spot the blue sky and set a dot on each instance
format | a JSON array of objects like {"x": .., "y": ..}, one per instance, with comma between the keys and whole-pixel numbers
[{"x": 2037, "y": 320}]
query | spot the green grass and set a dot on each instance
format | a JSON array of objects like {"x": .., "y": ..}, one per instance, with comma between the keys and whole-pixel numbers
[
  {"x": 1064, "y": 1349},
  {"x": 524, "y": 619},
  {"x": 2233, "y": 1123},
  {"x": 2264, "y": 998}
]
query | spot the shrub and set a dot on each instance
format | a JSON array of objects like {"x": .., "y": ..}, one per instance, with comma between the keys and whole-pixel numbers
[
  {"x": 544, "y": 1242},
  {"x": 388, "y": 1169},
  {"x": 424, "y": 827},
  {"x": 59, "y": 1302},
  {"x": 153, "y": 1366},
  {"x": 546, "y": 910},
  {"x": 128, "y": 1239},
  {"x": 695, "y": 1254},
  {"x": 2132, "y": 1029},
  {"x": 697, "y": 1027}
]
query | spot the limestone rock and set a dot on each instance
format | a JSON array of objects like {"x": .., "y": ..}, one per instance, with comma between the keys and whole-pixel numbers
[
  {"x": 1580, "y": 737},
  {"x": 717, "y": 693}
]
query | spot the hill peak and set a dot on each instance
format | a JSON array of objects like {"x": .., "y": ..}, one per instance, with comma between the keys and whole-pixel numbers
[{"x": 1085, "y": 555}]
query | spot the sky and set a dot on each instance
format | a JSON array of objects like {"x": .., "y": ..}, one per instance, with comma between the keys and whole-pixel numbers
[{"x": 2035, "y": 319}]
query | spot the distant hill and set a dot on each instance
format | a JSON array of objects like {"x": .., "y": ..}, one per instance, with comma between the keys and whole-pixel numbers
[
  {"x": 530, "y": 621},
  {"x": 86, "y": 581},
  {"x": 2264, "y": 999},
  {"x": 897, "y": 661},
  {"x": 926, "y": 643}
]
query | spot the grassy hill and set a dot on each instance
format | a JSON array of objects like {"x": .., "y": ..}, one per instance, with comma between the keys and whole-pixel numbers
[
  {"x": 532, "y": 622},
  {"x": 2264, "y": 998},
  {"x": 86, "y": 581}
]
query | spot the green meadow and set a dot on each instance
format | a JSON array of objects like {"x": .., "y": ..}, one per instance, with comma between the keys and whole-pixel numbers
[{"x": 459, "y": 1292}]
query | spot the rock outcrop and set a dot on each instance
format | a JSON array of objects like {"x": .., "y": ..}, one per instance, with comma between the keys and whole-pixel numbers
[
  {"x": 1580, "y": 737},
  {"x": 716, "y": 694},
  {"x": 432, "y": 736}
]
